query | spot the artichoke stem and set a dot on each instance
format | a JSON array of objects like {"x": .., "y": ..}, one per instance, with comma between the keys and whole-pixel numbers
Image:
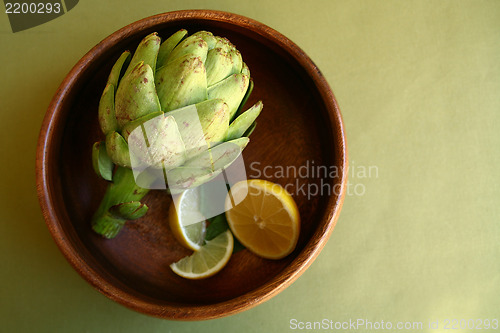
[
  {"x": 123, "y": 189},
  {"x": 108, "y": 225}
]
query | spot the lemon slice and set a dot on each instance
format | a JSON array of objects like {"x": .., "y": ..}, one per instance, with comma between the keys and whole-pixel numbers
[
  {"x": 187, "y": 223},
  {"x": 207, "y": 261},
  {"x": 264, "y": 217}
]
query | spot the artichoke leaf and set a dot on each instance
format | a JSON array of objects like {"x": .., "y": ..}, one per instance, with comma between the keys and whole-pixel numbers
[
  {"x": 250, "y": 129},
  {"x": 208, "y": 37},
  {"x": 156, "y": 143},
  {"x": 219, "y": 65},
  {"x": 245, "y": 98},
  {"x": 223, "y": 43},
  {"x": 106, "y": 110},
  {"x": 183, "y": 178},
  {"x": 136, "y": 95},
  {"x": 181, "y": 82},
  {"x": 119, "y": 68},
  {"x": 202, "y": 125},
  {"x": 219, "y": 156},
  {"x": 190, "y": 129},
  {"x": 117, "y": 149},
  {"x": 132, "y": 125},
  {"x": 205, "y": 166},
  {"x": 214, "y": 119},
  {"x": 168, "y": 45},
  {"x": 103, "y": 166},
  {"x": 146, "y": 52},
  {"x": 244, "y": 121},
  {"x": 129, "y": 210},
  {"x": 245, "y": 70},
  {"x": 237, "y": 61},
  {"x": 231, "y": 90},
  {"x": 193, "y": 45}
]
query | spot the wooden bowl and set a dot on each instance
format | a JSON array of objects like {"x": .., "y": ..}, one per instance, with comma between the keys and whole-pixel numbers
[{"x": 301, "y": 125}]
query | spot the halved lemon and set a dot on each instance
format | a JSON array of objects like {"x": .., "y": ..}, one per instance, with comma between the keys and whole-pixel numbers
[
  {"x": 187, "y": 223},
  {"x": 208, "y": 260},
  {"x": 264, "y": 217}
]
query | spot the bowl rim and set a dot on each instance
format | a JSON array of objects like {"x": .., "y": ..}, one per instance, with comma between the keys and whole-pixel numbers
[{"x": 179, "y": 311}]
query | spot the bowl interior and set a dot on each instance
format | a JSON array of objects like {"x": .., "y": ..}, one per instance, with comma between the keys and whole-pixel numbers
[{"x": 295, "y": 129}]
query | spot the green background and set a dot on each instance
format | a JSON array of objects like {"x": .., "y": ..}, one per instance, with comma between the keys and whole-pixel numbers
[{"x": 418, "y": 83}]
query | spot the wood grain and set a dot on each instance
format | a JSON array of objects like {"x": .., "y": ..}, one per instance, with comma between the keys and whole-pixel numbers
[{"x": 301, "y": 122}]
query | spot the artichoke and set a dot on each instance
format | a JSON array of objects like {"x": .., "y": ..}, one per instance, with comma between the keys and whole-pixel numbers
[{"x": 172, "y": 111}]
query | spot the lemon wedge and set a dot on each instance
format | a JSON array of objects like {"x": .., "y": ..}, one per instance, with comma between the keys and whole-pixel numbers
[
  {"x": 208, "y": 260},
  {"x": 187, "y": 223}
]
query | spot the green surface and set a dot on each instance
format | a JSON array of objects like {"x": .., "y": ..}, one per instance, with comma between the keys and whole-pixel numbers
[{"x": 418, "y": 83}]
